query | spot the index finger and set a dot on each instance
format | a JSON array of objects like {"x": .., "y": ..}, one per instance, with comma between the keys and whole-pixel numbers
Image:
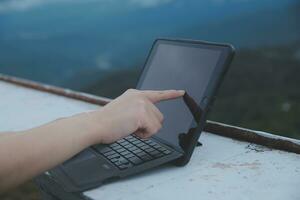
[{"x": 160, "y": 95}]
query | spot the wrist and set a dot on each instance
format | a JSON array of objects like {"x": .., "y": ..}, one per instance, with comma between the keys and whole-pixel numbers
[{"x": 94, "y": 126}]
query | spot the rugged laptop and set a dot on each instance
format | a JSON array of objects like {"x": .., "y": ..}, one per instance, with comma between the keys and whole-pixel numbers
[{"x": 195, "y": 66}]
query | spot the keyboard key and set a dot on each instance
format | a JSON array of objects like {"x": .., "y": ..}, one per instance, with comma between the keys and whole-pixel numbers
[
  {"x": 158, "y": 155},
  {"x": 114, "y": 145},
  {"x": 149, "y": 150},
  {"x": 113, "y": 156},
  {"x": 129, "y": 155},
  {"x": 109, "y": 153},
  {"x": 118, "y": 147},
  {"x": 114, "y": 160},
  {"x": 148, "y": 142},
  {"x": 125, "y": 153},
  {"x": 123, "y": 161},
  {"x": 121, "y": 140},
  {"x": 120, "y": 150},
  {"x": 156, "y": 146},
  {"x": 151, "y": 143},
  {"x": 102, "y": 150},
  {"x": 135, "y": 160},
  {"x": 129, "y": 137},
  {"x": 161, "y": 149},
  {"x": 166, "y": 152},
  {"x": 124, "y": 143},
  {"x": 142, "y": 153},
  {"x": 145, "y": 147},
  {"x": 136, "y": 142},
  {"x": 122, "y": 167},
  {"x": 128, "y": 146},
  {"x": 153, "y": 153},
  {"x": 146, "y": 157},
  {"x": 140, "y": 144},
  {"x": 137, "y": 151},
  {"x": 132, "y": 150}
]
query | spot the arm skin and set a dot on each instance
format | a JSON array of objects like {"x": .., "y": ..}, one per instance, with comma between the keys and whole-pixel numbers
[{"x": 25, "y": 154}]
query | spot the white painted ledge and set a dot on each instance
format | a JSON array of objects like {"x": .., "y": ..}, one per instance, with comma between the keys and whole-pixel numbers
[{"x": 222, "y": 168}]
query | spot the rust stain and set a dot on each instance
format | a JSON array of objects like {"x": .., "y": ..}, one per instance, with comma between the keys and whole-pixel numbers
[
  {"x": 257, "y": 148},
  {"x": 222, "y": 165},
  {"x": 251, "y": 165}
]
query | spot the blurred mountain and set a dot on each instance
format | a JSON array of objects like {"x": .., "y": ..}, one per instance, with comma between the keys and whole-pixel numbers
[{"x": 59, "y": 42}]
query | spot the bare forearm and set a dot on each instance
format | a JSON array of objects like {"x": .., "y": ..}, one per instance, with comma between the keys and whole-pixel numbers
[{"x": 26, "y": 154}]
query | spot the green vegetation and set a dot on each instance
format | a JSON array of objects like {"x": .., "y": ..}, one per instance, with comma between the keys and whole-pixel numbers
[
  {"x": 114, "y": 83},
  {"x": 262, "y": 92}
]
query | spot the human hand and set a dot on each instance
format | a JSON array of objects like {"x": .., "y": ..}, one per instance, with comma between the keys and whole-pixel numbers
[{"x": 132, "y": 112}]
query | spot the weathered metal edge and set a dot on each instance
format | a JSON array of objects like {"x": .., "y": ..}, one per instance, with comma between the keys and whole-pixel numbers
[
  {"x": 252, "y": 136},
  {"x": 55, "y": 90},
  {"x": 261, "y": 138}
]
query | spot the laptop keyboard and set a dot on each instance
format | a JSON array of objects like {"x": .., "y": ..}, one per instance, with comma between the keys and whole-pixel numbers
[{"x": 131, "y": 151}]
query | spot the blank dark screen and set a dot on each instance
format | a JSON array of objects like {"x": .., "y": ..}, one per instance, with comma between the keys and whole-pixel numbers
[{"x": 179, "y": 67}]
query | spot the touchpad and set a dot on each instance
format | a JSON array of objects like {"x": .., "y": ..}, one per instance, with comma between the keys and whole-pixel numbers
[
  {"x": 86, "y": 167},
  {"x": 81, "y": 156}
]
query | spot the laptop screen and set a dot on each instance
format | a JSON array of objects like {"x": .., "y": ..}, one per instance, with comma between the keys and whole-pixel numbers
[{"x": 176, "y": 66}]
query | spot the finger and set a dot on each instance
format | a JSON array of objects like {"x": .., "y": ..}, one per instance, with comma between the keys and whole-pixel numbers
[
  {"x": 156, "y": 96},
  {"x": 147, "y": 132},
  {"x": 157, "y": 112},
  {"x": 150, "y": 126},
  {"x": 155, "y": 125}
]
